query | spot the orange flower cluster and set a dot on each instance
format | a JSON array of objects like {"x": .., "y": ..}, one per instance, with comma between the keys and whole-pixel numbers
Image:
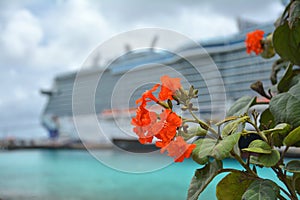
[
  {"x": 253, "y": 42},
  {"x": 179, "y": 149},
  {"x": 163, "y": 127}
]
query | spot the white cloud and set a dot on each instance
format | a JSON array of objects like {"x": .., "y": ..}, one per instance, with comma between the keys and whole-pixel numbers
[
  {"x": 75, "y": 28},
  {"x": 20, "y": 36},
  {"x": 20, "y": 94},
  {"x": 71, "y": 30},
  {"x": 201, "y": 25},
  {"x": 62, "y": 38},
  {"x": 34, "y": 48}
]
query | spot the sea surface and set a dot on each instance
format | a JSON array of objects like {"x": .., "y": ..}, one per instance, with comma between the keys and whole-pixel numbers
[{"x": 76, "y": 174}]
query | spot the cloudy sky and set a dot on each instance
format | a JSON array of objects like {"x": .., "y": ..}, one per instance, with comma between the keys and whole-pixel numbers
[{"x": 40, "y": 39}]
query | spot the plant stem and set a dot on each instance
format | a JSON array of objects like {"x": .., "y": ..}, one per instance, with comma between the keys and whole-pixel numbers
[
  {"x": 248, "y": 160},
  {"x": 202, "y": 123},
  {"x": 228, "y": 170},
  {"x": 281, "y": 197},
  {"x": 189, "y": 120},
  {"x": 284, "y": 191},
  {"x": 282, "y": 177},
  {"x": 258, "y": 131},
  {"x": 283, "y": 154},
  {"x": 240, "y": 160}
]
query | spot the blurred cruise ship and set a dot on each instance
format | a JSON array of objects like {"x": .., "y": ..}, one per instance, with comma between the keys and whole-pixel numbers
[{"x": 96, "y": 104}]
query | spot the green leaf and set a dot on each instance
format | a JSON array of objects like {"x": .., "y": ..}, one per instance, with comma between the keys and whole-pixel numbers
[
  {"x": 233, "y": 186},
  {"x": 203, "y": 150},
  {"x": 202, "y": 178},
  {"x": 233, "y": 126},
  {"x": 286, "y": 42},
  {"x": 278, "y": 133},
  {"x": 284, "y": 83},
  {"x": 296, "y": 78},
  {"x": 293, "y": 166},
  {"x": 294, "y": 12},
  {"x": 222, "y": 149},
  {"x": 219, "y": 149},
  {"x": 283, "y": 16},
  {"x": 262, "y": 190},
  {"x": 267, "y": 160},
  {"x": 266, "y": 120},
  {"x": 276, "y": 67},
  {"x": 293, "y": 137},
  {"x": 241, "y": 106},
  {"x": 259, "y": 146},
  {"x": 284, "y": 106},
  {"x": 282, "y": 129},
  {"x": 197, "y": 131},
  {"x": 290, "y": 78},
  {"x": 277, "y": 139}
]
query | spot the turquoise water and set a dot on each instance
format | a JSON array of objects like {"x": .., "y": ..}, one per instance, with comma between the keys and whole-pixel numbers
[{"x": 66, "y": 174}]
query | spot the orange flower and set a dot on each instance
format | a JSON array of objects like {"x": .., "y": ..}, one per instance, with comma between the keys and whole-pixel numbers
[
  {"x": 253, "y": 42},
  {"x": 143, "y": 131},
  {"x": 165, "y": 129},
  {"x": 179, "y": 149},
  {"x": 142, "y": 117},
  {"x": 148, "y": 95},
  {"x": 147, "y": 125},
  {"x": 168, "y": 87},
  {"x": 145, "y": 119}
]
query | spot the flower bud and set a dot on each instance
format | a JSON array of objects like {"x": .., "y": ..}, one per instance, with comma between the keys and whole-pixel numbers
[
  {"x": 184, "y": 108},
  {"x": 268, "y": 49},
  {"x": 191, "y": 92}
]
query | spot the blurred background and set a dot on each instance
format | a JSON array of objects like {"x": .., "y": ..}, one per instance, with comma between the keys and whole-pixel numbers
[{"x": 40, "y": 40}]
